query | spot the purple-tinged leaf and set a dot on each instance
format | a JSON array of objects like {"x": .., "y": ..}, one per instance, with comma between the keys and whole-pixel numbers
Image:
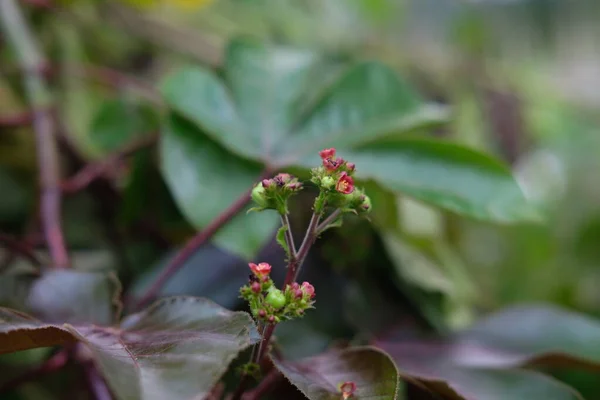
[
  {"x": 320, "y": 377},
  {"x": 177, "y": 348}
]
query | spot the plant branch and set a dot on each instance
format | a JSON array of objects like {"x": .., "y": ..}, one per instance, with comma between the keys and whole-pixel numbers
[
  {"x": 97, "y": 169},
  {"x": 53, "y": 364},
  {"x": 265, "y": 386},
  {"x": 193, "y": 244},
  {"x": 331, "y": 218},
  {"x": 289, "y": 238},
  {"x": 18, "y": 247},
  {"x": 96, "y": 383},
  {"x": 31, "y": 61}
]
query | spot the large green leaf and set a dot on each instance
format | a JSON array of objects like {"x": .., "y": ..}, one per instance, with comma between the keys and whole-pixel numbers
[
  {"x": 118, "y": 122},
  {"x": 445, "y": 175},
  {"x": 205, "y": 180},
  {"x": 319, "y": 378},
  {"x": 177, "y": 348},
  {"x": 269, "y": 110}
]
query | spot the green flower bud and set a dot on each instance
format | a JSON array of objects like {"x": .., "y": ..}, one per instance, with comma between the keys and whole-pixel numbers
[
  {"x": 276, "y": 298},
  {"x": 259, "y": 195},
  {"x": 366, "y": 205},
  {"x": 327, "y": 182}
]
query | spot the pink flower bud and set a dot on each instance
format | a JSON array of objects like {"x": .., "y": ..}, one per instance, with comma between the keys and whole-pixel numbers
[
  {"x": 271, "y": 319},
  {"x": 345, "y": 184},
  {"x": 262, "y": 313},
  {"x": 255, "y": 287},
  {"x": 267, "y": 183},
  {"x": 327, "y": 153},
  {"x": 295, "y": 286},
  {"x": 350, "y": 166},
  {"x": 298, "y": 293},
  {"x": 308, "y": 289},
  {"x": 261, "y": 270}
]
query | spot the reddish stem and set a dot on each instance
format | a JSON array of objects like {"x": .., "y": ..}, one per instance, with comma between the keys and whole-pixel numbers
[
  {"x": 265, "y": 386},
  {"x": 95, "y": 170},
  {"x": 53, "y": 364},
  {"x": 18, "y": 247},
  {"x": 49, "y": 182},
  {"x": 192, "y": 246}
]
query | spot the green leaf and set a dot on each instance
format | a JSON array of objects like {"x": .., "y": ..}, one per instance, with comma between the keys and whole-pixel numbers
[
  {"x": 415, "y": 267},
  {"x": 177, "y": 348},
  {"x": 199, "y": 96},
  {"x": 205, "y": 180},
  {"x": 445, "y": 175},
  {"x": 318, "y": 378},
  {"x": 267, "y": 84},
  {"x": 273, "y": 113},
  {"x": 368, "y": 101},
  {"x": 118, "y": 122},
  {"x": 273, "y": 116},
  {"x": 280, "y": 237}
]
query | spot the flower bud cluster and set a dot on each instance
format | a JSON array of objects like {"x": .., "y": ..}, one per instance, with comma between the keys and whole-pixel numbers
[
  {"x": 269, "y": 304},
  {"x": 335, "y": 179},
  {"x": 273, "y": 193}
]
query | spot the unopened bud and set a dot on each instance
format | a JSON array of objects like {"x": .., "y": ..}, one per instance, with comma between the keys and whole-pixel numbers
[
  {"x": 327, "y": 182},
  {"x": 255, "y": 287},
  {"x": 271, "y": 319},
  {"x": 276, "y": 298},
  {"x": 298, "y": 294},
  {"x": 262, "y": 313},
  {"x": 259, "y": 195},
  {"x": 350, "y": 167}
]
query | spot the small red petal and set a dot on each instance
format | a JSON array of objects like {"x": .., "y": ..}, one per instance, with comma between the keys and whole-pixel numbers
[{"x": 327, "y": 153}]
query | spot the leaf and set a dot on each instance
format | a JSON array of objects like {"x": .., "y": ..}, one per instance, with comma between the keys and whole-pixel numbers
[
  {"x": 545, "y": 336},
  {"x": 267, "y": 84},
  {"x": 177, "y": 348},
  {"x": 415, "y": 267},
  {"x": 267, "y": 111},
  {"x": 280, "y": 237},
  {"x": 485, "y": 361},
  {"x": 427, "y": 367},
  {"x": 199, "y": 96},
  {"x": 21, "y": 332},
  {"x": 75, "y": 297},
  {"x": 368, "y": 101},
  {"x": 118, "y": 122},
  {"x": 205, "y": 180},
  {"x": 445, "y": 175},
  {"x": 319, "y": 377}
]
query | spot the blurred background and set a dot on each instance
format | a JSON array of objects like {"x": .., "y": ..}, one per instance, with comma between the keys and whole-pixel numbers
[{"x": 520, "y": 79}]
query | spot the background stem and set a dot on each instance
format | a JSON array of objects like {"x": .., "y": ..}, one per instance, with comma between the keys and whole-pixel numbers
[{"x": 32, "y": 63}]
